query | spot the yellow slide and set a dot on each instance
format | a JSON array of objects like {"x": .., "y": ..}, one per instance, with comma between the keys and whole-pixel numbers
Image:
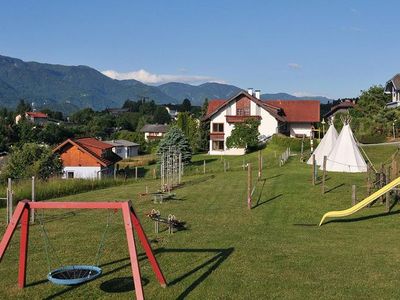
[{"x": 365, "y": 202}]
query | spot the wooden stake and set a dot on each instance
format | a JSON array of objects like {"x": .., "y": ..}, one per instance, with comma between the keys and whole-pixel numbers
[
  {"x": 204, "y": 166},
  {"x": 33, "y": 198},
  {"x": 353, "y": 195},
  {"x": 387, "y": 201},
  {"x": 324, "y": 174},
  {"x": 313, "y": 169},
  {"x": 259, "y": 165},
  {"x": 135, "y": 173},
  {"x": 249, "y": 186}
]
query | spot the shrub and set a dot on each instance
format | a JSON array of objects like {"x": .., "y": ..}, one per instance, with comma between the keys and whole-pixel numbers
[
  {"x": 292, "y": 143},
  {"x": 372, "y": 139}
]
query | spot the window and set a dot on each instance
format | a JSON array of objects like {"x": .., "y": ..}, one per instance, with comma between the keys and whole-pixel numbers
[
  {"x": 70, "y": 175},
  {"x": 218, "y": 145},
  {"x": 218, "y": 127}
]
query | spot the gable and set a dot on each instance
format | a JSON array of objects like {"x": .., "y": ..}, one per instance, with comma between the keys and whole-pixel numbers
[
  {"x": 72, "y": 155},
  {"x": 218, "y": 105}
]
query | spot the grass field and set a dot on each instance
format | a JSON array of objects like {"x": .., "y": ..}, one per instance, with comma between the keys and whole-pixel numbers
[{"x": 274, "y": 250}]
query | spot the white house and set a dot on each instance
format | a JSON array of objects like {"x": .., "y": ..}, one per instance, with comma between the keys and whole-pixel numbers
[
  {"x": 294, "y": 118},
  {"x": 154, "y": 132},
  {"x": 34, "y": 117},
  {"x": 124, "y": 148},
  {"x": 86, "y": 158},
  {"x": 392, "y": 87}
]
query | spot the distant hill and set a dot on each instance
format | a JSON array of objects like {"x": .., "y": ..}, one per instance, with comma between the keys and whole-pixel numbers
[
  {"x": 285, "y": 96},
  {"x": 69, "y": 88},
  {"x": 197, "y": 93}
]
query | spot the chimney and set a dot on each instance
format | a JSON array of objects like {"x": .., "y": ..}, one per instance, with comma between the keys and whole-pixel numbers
[
  {"x": 257, "y": 94},
  {"x": 250, "y": 91}
]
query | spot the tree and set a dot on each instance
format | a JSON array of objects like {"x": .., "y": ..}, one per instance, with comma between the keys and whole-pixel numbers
[
  {"x": 161, "y": 115},
  {"x": 186, "y": 106},
  {"x": 189, "y": 127},
  {"x": 22, "y": 107},
  {"x": 32, "y": 160},
  {"x": 244, "y": 135},
  {"x": 204, "y": 128},
  {"x": 373, "y": 100},
  {"x": 176, "y": 138}
]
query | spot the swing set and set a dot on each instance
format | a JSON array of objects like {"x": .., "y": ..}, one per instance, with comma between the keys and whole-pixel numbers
[{"x": 78, "y": 274}]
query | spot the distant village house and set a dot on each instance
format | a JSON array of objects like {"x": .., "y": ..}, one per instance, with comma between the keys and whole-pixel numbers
[
  {"x": 38, "y": 118},
  {"x": 293, "y": 118},
  {"x": 124, "y": 148},
  {"x": 153, "y": 132},
  {"x": 87, "y": 158},
  {"x": 392, "y": 87},
  {"x": 342, "y": 107}
]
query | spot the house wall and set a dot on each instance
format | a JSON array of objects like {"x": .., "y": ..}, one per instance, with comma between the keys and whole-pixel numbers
[
  {"x": 300, "y": 129},
  {"x": 155, "y": 134},
  {"x": 82, "y": 172},
  {"x": 268, "y": 126}
]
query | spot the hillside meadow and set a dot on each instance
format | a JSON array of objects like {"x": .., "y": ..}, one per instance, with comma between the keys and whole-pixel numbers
[{"x": 275, "y": 250}]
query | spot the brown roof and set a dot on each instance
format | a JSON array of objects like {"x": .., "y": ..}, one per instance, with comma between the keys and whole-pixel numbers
[
  {"x": 154, "y": 128},
  {"x": 217, "y": 105},
  {"x": 347, "y": 104},
  {"x": 297, "y": 111},
  {"x": 37, "y": 114},
  {"x": 394, "y": 81},
  {"x": 94, "y": 148}
]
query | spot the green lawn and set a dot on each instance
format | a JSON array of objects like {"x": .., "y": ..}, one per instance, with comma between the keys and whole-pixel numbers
[{"x": 274, "y": 250}]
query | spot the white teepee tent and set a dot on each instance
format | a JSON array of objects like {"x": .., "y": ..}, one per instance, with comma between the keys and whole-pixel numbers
[
  {"x": 345, "y": 155},
  {"x": 325, "y": 146}
]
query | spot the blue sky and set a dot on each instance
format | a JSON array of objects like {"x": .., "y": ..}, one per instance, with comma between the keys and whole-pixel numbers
[{"x": 330, "y": 48}]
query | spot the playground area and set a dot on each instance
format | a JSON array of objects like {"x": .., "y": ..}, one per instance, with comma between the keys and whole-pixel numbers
[{"x": 226, "y": 251}]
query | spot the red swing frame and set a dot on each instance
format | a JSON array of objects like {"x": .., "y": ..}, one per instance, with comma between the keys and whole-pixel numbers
[{"x": 131, "y": 223}]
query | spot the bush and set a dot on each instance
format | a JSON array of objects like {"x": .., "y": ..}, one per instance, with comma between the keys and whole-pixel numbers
[
  {"x": 293, "y": 143},
  {"x": 372, "y": 139}
]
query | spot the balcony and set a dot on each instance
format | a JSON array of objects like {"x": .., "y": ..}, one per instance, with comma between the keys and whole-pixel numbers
[
  {"x": 240, "y": 119},
  {"x": 217, "y": 136}
]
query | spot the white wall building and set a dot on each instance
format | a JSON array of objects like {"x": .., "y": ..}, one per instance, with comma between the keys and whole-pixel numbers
[
  {"x": 124, "y": 148},
  {"x": 154, "y": 131},
  {"x": 294, "y": 118},
  {"x": 392, "y": 87}
]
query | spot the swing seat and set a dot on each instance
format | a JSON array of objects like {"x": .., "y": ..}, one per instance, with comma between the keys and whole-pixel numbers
[{"x": 73, "y": 275}]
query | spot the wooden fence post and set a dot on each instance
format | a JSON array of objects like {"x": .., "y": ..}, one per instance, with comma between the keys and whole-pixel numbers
[
  {"x": 249, "y": 186},
  {"x": 324, "y": 174},
  {"x": 33, "y": 198},
  {"x": 135, "y": 173},
  {"x": 10, "y": 195},
  {"x": 259, "y": 165},
  {"x": 313, "y": 169},
  {"x": 353, "y": 195},
  {"x": 224, "y": 165},
  {"x": 388, "y": 193},
  {"x": 204, "y": 166}
]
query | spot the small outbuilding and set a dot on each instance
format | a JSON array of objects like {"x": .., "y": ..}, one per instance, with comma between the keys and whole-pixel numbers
[{"x": 124, "y": 148}]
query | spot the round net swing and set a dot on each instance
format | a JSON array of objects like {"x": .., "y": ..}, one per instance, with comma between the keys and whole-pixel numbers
[{"x": 74, "y": 274}]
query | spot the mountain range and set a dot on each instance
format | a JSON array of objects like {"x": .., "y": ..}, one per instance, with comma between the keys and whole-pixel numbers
[{"x": 69, "y": 88}]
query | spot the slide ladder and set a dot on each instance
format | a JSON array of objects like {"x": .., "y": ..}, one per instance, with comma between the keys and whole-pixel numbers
[{"x": 363, "y": 203}]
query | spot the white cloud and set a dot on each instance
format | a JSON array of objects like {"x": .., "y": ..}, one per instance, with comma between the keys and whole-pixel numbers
[
  {"x": 151, "y": 78},
  {"x": 294, "y": 66},
  {"x": 308, "y": 94}
]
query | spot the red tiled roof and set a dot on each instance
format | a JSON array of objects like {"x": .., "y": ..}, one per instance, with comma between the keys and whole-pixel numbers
[
  {"x": 214, "y": 104},
  {"x": 217, "y": 104},
  {"x": 37, "y": 114},
  {"x": 94, "y": 148},
  {"x": 297, "y": 111}
]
